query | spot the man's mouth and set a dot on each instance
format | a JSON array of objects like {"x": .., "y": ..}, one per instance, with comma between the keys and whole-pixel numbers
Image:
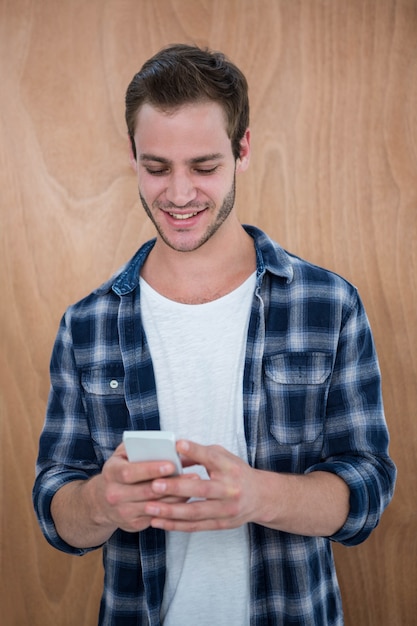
[{"x": 182, "y": 216}]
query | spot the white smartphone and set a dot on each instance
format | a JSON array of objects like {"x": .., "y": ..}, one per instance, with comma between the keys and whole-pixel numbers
[{"x": 152, "y": 445}]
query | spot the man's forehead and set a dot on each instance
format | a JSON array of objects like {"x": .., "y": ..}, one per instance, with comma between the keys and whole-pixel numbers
[
  {"x": 192, "y": 133},
  {"x": 209, "y": 109},
  {"x": 146, "y": 157}
]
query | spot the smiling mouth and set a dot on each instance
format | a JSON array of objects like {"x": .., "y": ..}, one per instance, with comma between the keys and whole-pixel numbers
[{"x": 182, "y": 216}]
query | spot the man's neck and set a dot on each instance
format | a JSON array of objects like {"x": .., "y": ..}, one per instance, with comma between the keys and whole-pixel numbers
[{"x": 202, "y": 275}]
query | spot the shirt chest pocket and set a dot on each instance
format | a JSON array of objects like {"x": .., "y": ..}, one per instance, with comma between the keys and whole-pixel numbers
[
  {"x": 105, "y": 405},
  {"x": 297, "y": 385}
]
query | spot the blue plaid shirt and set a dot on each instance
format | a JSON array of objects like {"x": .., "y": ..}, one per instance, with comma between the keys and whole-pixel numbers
[{"x": 312, "y": 401}]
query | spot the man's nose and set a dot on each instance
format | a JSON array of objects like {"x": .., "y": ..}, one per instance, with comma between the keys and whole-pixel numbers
[{"x": 180, "y": 189}]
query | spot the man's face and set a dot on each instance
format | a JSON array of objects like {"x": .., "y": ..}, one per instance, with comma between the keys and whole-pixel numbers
[{"x": 186, "y": 171}]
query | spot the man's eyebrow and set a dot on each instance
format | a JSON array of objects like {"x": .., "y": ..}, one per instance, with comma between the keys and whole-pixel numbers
[
  {"x": 214, "y": 156},
  {"x": 152, "y": 157}
]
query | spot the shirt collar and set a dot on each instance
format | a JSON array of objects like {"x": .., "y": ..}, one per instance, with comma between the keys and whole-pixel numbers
[{"x": 269, "y": 257}]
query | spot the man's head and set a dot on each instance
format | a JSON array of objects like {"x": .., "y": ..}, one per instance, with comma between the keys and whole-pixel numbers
[{"x": 183, "y": 74}]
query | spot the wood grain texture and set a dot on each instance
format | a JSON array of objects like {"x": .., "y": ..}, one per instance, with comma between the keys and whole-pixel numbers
[{"x": 333, "y": 176}]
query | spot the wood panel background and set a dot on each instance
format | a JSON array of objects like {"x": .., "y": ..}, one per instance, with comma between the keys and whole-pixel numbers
[{"x": 333, "y": 177}]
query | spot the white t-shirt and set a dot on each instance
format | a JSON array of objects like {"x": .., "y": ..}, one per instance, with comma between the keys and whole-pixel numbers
[{"x": 198, "y": 353}]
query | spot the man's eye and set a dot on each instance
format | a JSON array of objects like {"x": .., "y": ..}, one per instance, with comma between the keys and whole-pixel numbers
[
  {"x": 209, "y": 170},
  {"x": 159, "y": 172}
]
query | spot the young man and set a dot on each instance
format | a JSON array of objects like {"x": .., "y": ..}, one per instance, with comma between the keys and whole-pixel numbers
[{"x": 261, "y": 363}]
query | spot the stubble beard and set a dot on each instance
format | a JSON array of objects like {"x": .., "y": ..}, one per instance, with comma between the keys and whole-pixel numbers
[{"x": 223, "y": 214}]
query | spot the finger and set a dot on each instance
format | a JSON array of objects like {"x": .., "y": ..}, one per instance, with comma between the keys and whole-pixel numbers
[
  {"x": 211, "y": 457},
  {"x": 144, "y": 492},
  {"x": 222, "y": 485},
  {"x": 193, "y": 517},
  {"x": 190, "y": 527},
  {"x": 175, "y": 485},
  {"x": 195, "y": 511},
  {"x": 144, "y": 471}
]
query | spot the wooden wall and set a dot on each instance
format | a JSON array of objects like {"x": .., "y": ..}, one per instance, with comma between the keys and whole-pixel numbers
[{"x": 333, "y": 177}]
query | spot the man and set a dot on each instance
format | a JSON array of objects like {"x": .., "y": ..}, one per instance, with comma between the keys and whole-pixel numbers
[{"x": 262, "y": 364}]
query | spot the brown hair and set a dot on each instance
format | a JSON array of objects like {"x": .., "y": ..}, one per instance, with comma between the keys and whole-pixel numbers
[{"x": 180, "y": 74}]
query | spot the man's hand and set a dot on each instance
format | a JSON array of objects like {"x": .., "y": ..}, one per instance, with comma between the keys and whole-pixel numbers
[
  {"x": 87, "y": 512},
  {"x": 314, "y": 504},
  {"x": 227, "y": 500},
  {"x": 125, "y": 488}
]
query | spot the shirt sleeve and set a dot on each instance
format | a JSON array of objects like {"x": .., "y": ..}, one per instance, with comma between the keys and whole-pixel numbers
[
  {"x": 356, "y": 436},
  {"x": 65, "y": 449}
]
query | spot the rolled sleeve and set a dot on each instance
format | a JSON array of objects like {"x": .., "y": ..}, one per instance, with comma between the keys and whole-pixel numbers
[
  {"x": 356, "y": 438},
  {"x": 65, "y": 450},
  {"x": 46, "y": 486}
]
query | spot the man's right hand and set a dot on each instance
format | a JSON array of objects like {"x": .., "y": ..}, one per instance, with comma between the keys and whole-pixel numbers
[
  {"x": 86, "y": 513},
  {"x": 125, "y": 488}
]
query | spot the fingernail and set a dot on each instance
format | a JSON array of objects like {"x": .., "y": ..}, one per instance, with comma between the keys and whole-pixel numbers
[
  {"x": 152, "y": 509},
  {"x": 159, "y": 486},
  {"x": 184, "y": 446},
  {"x": 157, "y": 523}
]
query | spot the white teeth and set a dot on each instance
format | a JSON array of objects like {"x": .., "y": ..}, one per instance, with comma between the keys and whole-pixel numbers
[{"x": 182, "y": 216}]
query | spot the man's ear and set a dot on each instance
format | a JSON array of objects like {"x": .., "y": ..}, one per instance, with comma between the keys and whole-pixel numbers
[
  {"x": 132, "y": 154},
  {"x": 244, "y": 156}
]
